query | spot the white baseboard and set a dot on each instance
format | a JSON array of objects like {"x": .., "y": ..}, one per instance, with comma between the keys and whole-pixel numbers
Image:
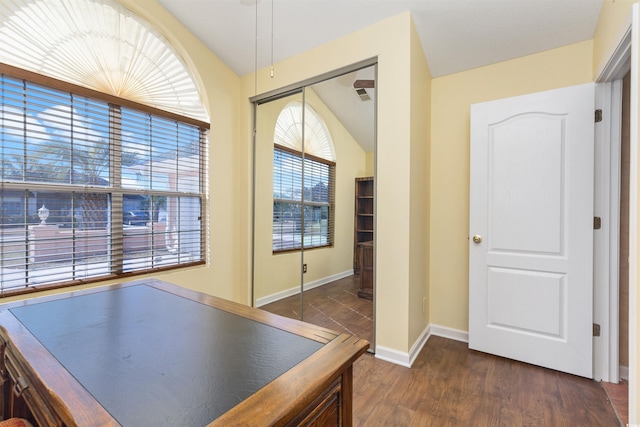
[
  {"x": 451, "y": 333},
  {"x": 296, "y": 290},
  {"x": 420, "y": 342},
  {"x": 406, "y": 359},
  {"x": 393, "y": 356},
  {"x": 624, "y": 372},
  {"x": 328, "y": 279},
  {"x": 402, "y": 358},
  {"x": 277, "y": 296}
]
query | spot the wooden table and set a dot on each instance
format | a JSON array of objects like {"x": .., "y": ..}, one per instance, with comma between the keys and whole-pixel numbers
[{"x": 148, "y": 353}]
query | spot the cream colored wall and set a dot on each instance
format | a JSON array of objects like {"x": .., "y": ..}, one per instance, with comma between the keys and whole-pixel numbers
[
  {"x": 614, "y": 18},
  {"x": 420, "y": 189},
  {"x": 390, "y": 41},
  {"x": 452, "y": 97},
  {"x": 370, "y": 164},
  {"x": 280, "y": 272}
]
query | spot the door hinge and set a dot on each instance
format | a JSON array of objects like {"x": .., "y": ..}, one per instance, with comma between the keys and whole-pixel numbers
[
  {"x": 596, "y": 330},
  {"x": 597, "y": 223},
  {"x": 598, "y": 115}
]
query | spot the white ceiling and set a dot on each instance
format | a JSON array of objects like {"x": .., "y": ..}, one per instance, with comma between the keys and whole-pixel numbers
[
  {"x": 456, "y": 35},
  {"x": 356, "y": 115}
]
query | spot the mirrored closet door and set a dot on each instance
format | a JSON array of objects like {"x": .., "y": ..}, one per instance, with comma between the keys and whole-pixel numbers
[
  {"x": 277, "y": 255},
  {"x": 314, "y": 203}
]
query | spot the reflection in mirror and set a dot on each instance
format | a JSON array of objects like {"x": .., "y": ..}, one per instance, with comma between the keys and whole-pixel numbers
[
  {"x": 325, "y": 187},
  {"x": 336, "y": 296},
  {"x": 277, "y": 274}
]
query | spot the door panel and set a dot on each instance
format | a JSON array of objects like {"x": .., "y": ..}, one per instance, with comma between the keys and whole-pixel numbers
[
  {"x": 525, "y": 183},
  {"x": 523, "y": 300},
  {"x": 530, "y": 274}
]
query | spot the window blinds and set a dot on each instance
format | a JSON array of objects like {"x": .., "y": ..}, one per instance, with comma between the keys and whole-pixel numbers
[
  {"x": 90, "y": 189},
  {"x": 303, "y": 191}
]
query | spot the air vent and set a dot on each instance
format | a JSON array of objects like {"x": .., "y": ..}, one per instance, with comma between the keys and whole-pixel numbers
[{"x": 362, "y": 93}]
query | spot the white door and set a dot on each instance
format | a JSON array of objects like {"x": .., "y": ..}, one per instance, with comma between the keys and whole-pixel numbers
[{"x": 531, "y": 228}]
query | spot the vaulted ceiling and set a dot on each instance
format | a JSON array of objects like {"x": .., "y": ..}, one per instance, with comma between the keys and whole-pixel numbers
[{"x": 456, "y": 35}]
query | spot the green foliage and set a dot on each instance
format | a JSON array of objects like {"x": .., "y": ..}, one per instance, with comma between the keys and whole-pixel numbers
[{"x": 85, "y": 163}]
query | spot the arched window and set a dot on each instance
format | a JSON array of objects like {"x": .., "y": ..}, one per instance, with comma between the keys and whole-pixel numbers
[
  {"x": 100, "y": 45},
  {"x": 288, "y": 132},
  {"x": 102, "y": 147},
  {"x": 303, "y": 180}
]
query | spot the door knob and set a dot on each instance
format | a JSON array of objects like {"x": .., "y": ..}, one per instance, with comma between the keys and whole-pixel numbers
[{"x": 477, "y": 238}]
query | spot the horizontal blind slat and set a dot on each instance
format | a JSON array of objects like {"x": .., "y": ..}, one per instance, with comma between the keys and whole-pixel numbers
[{"x": 60, "y": 147}]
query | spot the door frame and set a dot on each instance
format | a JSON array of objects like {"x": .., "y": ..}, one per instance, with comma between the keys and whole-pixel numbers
[
  {"x": 606, "y": 241},
  {"x": 606, "y": 244},
  {"x": 622, "y": 58}
]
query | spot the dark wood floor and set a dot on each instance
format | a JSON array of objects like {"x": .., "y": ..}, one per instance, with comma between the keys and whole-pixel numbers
[
  {"x": 334, "y": 306},
  {"x": 618, "y": 394},
  {"x": 449, "y": 385}
]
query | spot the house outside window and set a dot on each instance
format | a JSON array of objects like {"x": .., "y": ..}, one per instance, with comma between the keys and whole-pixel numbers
[{"x": 303, "y": 181}]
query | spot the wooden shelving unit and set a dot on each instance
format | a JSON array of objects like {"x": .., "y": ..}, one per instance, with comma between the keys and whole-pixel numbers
[{"x": 363, "y": 223}]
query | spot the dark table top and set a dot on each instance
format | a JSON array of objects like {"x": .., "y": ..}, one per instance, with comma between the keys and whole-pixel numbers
[{"x": 152, "y": 357}]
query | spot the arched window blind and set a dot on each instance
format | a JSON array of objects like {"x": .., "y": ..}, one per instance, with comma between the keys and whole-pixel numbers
[
  {"x": 288, "y": 132},
  {"x": 101, "y": 45},
  {"x": 303, "y": 182}
]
